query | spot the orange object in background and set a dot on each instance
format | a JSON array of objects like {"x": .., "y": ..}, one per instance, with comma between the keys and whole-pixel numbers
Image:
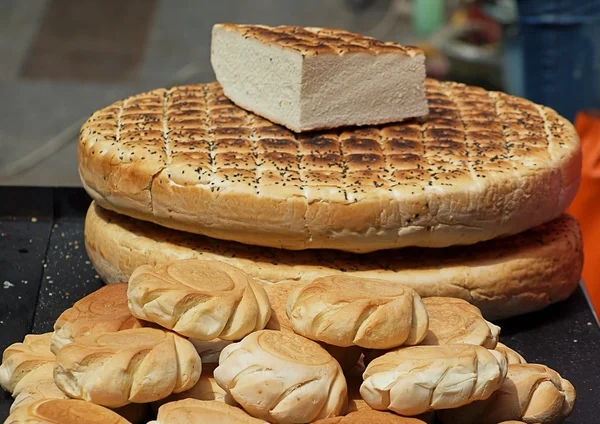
[{"x": 586, "y": 206}]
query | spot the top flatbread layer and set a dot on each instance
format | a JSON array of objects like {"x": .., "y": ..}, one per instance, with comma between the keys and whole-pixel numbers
[
  {"x": 480, "y": 165},
  {"x": 315, "y": 41}
]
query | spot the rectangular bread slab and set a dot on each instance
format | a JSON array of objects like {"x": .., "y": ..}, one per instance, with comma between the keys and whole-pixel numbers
[{"x": 316, "y": 78}]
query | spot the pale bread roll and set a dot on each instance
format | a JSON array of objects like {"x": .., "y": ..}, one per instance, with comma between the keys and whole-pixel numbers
[
  {"x": 205, "y": 389},
  {"x": 200, "y": 299},
  {"x": 346, "y": 311},
  {"x": 193, "y": 411},
  {"x": 139, "y": 365},
  {"x": 370, "y": 416},
  {"x": 136, "y": 413},
  {"x": 532, "y": 393},
  {"x": 454, "y": 321},
  {"x": 282, "y": 377},
  {"x": 103, "y": 311},
  {"x": 40, "y": 390},
  {"x": 25, "y": 363},
  {"x": 503, "y": 277},
  {"x": 210, "y": 350},
  {"x": 278, "y": 295},
  {"x": 512, "y": 356},
  {"x": 418, "y": 379},
  {"x": 64, "y": 411}
]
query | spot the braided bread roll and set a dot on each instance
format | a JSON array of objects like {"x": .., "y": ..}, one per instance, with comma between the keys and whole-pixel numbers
[
  {"x": 210, "y": 350},
  {"x": 104, "y": 311},
  {"x": 26, "y": 363},
  {"x": 414, "y": 380},
  {"x": 40, "y": 390},
  {"x": 139, "y": 365},
  {"x": 532, "y": 393},
  {"x": 193, "y": 411},
  {"x": 512, "y": 356},
  {"x": 370, "y": 416},
  {"x": 282, "y": 377},
  {"x": 345, "y": 311},
  {"x": 454, "y": 321},
  {"x": 200, "y": 299},
  {"x": 64, "y": 411}
]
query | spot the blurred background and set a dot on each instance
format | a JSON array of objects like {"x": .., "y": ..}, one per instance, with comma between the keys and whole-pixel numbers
[{"x": 62, "y": 59}]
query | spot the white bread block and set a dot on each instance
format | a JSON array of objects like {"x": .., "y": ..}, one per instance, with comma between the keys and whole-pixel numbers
[{"x": 316, "y": 78}]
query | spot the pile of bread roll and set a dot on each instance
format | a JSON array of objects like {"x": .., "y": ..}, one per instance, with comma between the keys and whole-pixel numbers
[
  {"x": 260, "y": 223},
  {"x": 203, "y": 342}
]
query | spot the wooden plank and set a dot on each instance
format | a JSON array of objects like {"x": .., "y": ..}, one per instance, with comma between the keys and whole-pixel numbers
[
  {"x": 69, "y": 275},
  {"x": 25, "y": 223}
]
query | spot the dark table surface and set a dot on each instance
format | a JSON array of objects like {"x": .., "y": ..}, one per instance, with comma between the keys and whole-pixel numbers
[{"x": 44, "y": 269}]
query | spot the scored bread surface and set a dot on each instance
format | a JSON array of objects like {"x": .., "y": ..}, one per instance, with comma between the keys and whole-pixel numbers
[
  {"x": 318, "y": 41},
  {"x": 503, "y": 277},
  {"x": 480, "y": 165}
]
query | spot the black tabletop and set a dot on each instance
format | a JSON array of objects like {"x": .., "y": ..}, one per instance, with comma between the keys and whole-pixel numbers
[{"x": 44, "y": 269}]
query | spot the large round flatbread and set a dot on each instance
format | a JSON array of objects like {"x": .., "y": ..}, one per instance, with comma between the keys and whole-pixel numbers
[
  {"x": 479, "y": 166},
  {"x": 503, "y": 277}
]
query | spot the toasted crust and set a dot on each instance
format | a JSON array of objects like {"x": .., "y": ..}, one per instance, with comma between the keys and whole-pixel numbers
[
  {"x": 531, "y": 392},
  {"x": 318, "y": 41},
  {"x": 299, "y": 380},
  {"x": 418, "y": 379},
  {"x": 64, "y": 411},
  {"x": 103, "y": 311},
  {"x": 200, "y": 299},
  {"x": 139, "y": 365},
  {"x": 503, "y": 277},
  {"x": 480, "y": 165},
  {"x": 26, "y": 363},
  {"x": 347, "y": 311}
]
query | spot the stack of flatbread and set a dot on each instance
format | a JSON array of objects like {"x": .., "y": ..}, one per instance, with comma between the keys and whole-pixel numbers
[
  {"x": 202, "y": 342},
  {"x": 323, "y": 205}
]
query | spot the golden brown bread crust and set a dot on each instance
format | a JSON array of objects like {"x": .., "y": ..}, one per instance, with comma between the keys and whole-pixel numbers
[
  {"x": 103, "y": 311},
  {"x": 318, "y": 41},
  {"x": 64, "y": 411},
  {"x": 480, "y": 165},
  {"x": 370, "y": 416},
  {"x": 503, "y": 277}
]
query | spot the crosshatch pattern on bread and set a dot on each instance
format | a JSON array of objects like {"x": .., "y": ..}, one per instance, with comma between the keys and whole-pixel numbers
[
  {"x": 480, "y": 165},
  {"x": 314, "y": 41}
]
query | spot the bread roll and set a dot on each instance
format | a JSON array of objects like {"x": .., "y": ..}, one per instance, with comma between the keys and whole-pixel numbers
[
  {"x": 193, "y": 411},
  {"x": 512, "y": 356},
  {"x": 40, "y": 390},
  {"x": 64, "y": 411},
  {"x": 200, "y": 299},
  {"x": 103, "y": 311},
  {"x": 453, "y": 321},
  {"x": 346, "y": 311},
  {"x": 26, "y": 363},
  {"x": 532, "y": 393},
  {"x": 414, "y": 380},
  {"x": 139, "y": 365},
  {"x": 135, "y": 413},
  {"x": 210, "y": 350},
  {"x": 282, "y": 377},
  {"x": 502, "y": 277},
  {"x": 278, "y": 295},
  {"x": 370, "y": 416}
]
